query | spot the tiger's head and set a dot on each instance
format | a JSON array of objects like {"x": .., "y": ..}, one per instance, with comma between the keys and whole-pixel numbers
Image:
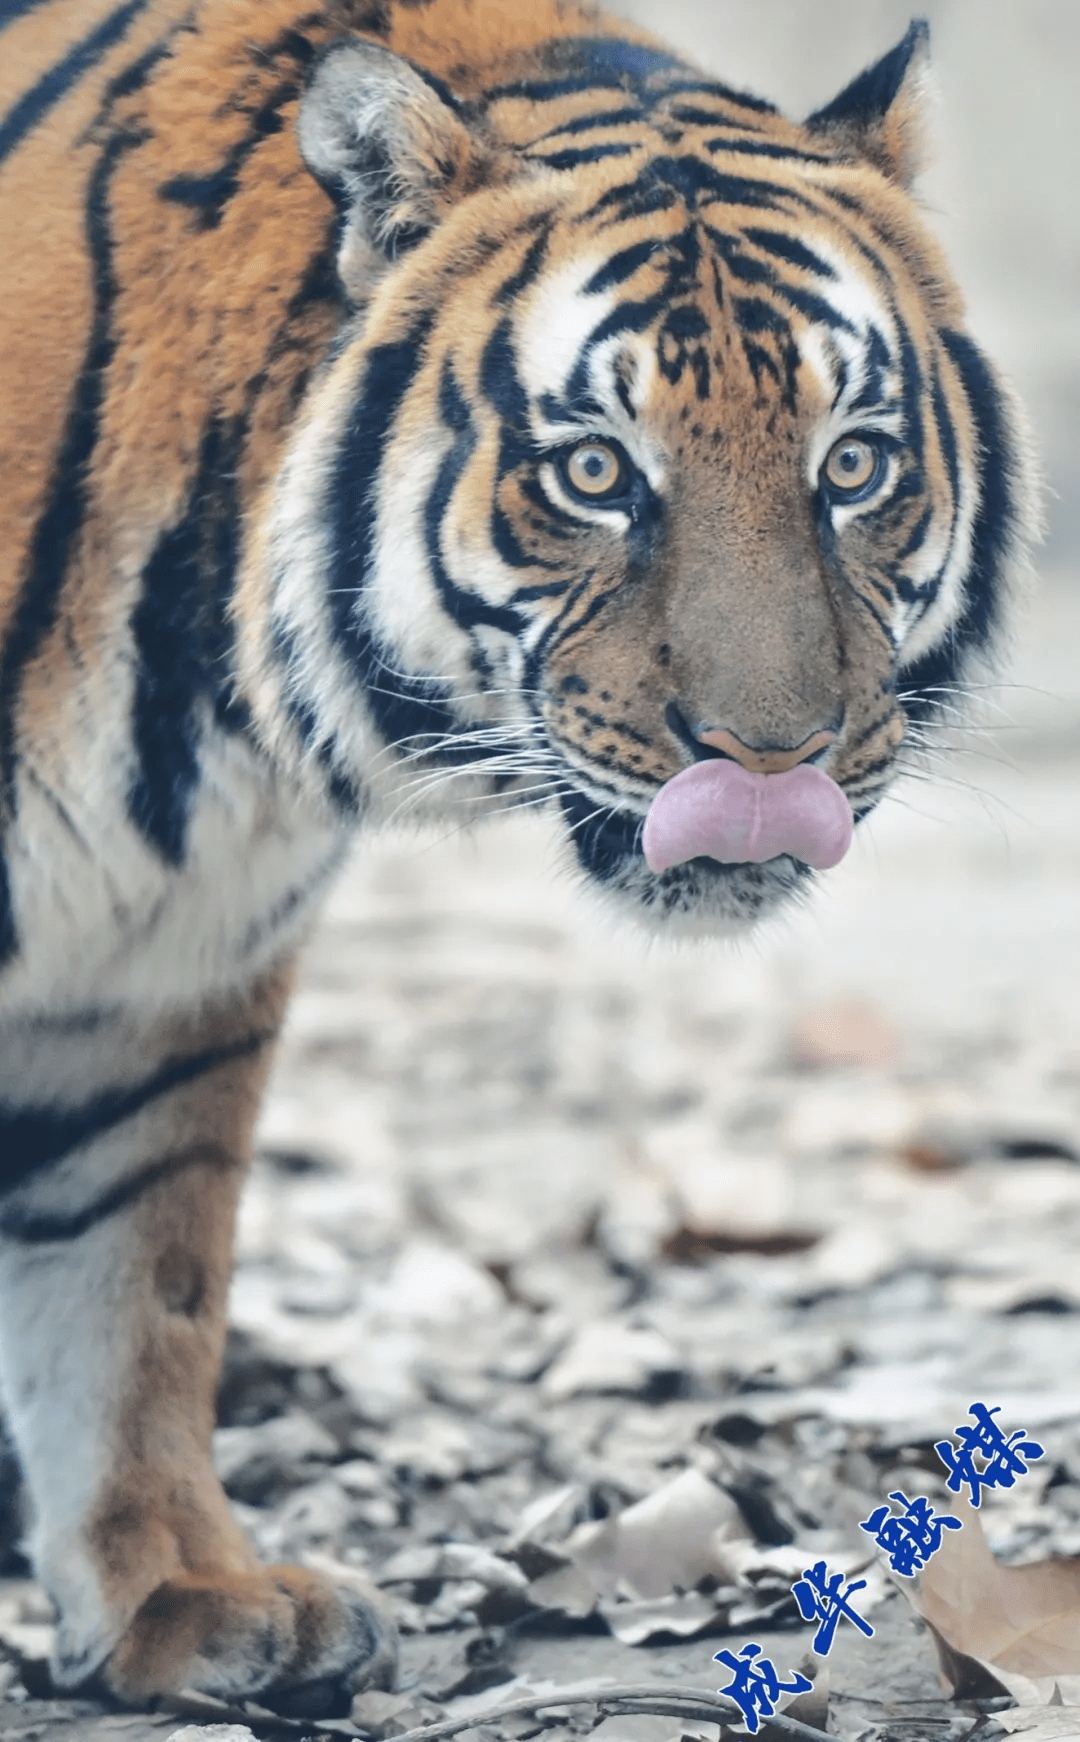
[{"x": 654, "y": 435}]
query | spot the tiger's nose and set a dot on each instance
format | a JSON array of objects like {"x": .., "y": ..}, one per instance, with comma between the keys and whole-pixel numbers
[{"x": 704, "y": 741}]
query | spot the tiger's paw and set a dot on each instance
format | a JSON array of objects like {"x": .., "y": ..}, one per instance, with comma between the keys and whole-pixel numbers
[{"x": 292, "y": 1639}]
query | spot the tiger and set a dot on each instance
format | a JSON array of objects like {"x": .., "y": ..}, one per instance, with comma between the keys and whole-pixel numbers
[{"x": 445, "y": 403}]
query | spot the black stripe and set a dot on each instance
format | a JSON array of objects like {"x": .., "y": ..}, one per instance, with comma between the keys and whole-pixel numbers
[
  {"x": 788, "y": 248},
  {"x": 403, "y": 708},
  {"x": 693, "y": 116},
  {"x": 912, "y": 377},
  {"x": 30, "y": 1229},
  {"x": 754, "y": 315},
  {"x": 529, "y": 270},
  {"x": 876, "y": 364},
  {"x": 723, "y": 93},
  {"x": 552, "y": 633},
  {"x": 209, "y": 194},
  {"x": 32, "y": 1138},
  {"x": 946, "y": 436},
  {"x": 815, "y": 308},
  {"x": 35, "y": 103},
  {"x": 993, "y": 530},
  {"x": 468, "y": 609},
  {"x": 182, "y": 629},
  {"x": 864, "y": 736},
  {"x": 61, "y": 522},
  {"x": 8, "y": 935},
  {"x": 622, "y": 266},
  {"x": 766, "y": 148},
  {"x": 573, "y": 158},
  {"x": 627, "y": 317},
  {"x": 173, "y": 632},
  {"x": 741, "y": 266},
  {"x": 390, "y": 372},
  {"x": 600, "y": 62},
  {"x": 340, "y": 789},
  {"x": 586, "y": 123},
  {"x": 698, "y": 185},
  {"x": 927, "y": 590},
  {"x": 512, "y": 454},
  {"x": 549, "y": 90},
  {"x": 552, "y": 590},
  {"x": 750, "y": 271},
  {"x": 132, "y": 77},
  {"x": 501, "y": 383},
  {"x": 916, "y": 539}
]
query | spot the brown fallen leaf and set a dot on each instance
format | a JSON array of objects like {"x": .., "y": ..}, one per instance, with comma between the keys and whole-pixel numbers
[
  {"x": 841, "y": 1033},
  {"x": 967, "y": 1678},
  {"x": 1024, "y": 1619},
  {"x": 811, "y": 1708}
]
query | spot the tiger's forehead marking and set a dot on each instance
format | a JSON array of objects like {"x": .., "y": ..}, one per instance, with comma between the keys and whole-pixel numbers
[
  {"x": 693, "y": 283},
  {"x": 558, "y": 321}
]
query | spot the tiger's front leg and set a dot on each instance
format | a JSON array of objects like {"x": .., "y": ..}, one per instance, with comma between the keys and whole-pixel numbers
[{"x": 114, "y": 1270}]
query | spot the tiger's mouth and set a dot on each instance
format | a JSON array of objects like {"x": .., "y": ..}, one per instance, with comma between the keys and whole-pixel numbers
[{"x": 702, "y": 895}]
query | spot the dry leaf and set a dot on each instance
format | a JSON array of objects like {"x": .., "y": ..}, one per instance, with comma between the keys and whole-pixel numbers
[
  {"x": 213, "y": 1733},
  {"x": 844, "y": 1032},
  {"x": 642, "y": 1566},
  {"x": 567, "y": 1589},
  {"x": 811, "y": 1708},
  {"x": 660, "y": 1544},
  {"x": 609, "y": 1356},
  {"x": 967, "y": 1678},
  {"x": 644, "y": 1727},
  {"x": 682, "y": 1616},
  {"x": 1025, "y": 1619},
  {"x": 1042, "y": 1724}
]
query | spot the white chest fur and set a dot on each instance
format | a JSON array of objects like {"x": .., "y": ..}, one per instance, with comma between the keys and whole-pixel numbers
[{"x": 105, "y": 923}]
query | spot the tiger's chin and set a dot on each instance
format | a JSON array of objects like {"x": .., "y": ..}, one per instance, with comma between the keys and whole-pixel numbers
[{"x": 699, "y": 899}]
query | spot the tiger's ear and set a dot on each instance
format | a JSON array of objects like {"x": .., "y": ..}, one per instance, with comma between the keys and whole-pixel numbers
[
  {"x": 389, "y": 146},
  {"x": 881, "y": 114}
]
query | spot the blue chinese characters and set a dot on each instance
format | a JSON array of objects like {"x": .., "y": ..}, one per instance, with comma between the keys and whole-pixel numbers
[
  {"x": 755, "y": 1686},
  {"x": 910, "y": 1538},
  {"x": 820, "y": 1599},
  {"x": 1005, "y": 1459}
]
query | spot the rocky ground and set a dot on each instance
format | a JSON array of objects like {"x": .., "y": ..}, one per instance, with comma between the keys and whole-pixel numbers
[{"x": 587, "y": 1291}]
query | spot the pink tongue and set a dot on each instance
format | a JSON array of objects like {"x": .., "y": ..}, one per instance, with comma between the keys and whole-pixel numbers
[{"x": 716, "y": 809}]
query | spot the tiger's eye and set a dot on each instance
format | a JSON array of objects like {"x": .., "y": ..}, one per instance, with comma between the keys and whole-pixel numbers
[
  {"x": 593, "y": 469},
  {"x": 850, "y": 464}
]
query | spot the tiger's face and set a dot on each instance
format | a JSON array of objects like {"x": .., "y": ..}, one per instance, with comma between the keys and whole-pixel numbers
[{"x": 655, "y": 437}]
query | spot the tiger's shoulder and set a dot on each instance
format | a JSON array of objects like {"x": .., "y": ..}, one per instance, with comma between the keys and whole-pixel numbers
[{"x": 169, "y": 285}]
